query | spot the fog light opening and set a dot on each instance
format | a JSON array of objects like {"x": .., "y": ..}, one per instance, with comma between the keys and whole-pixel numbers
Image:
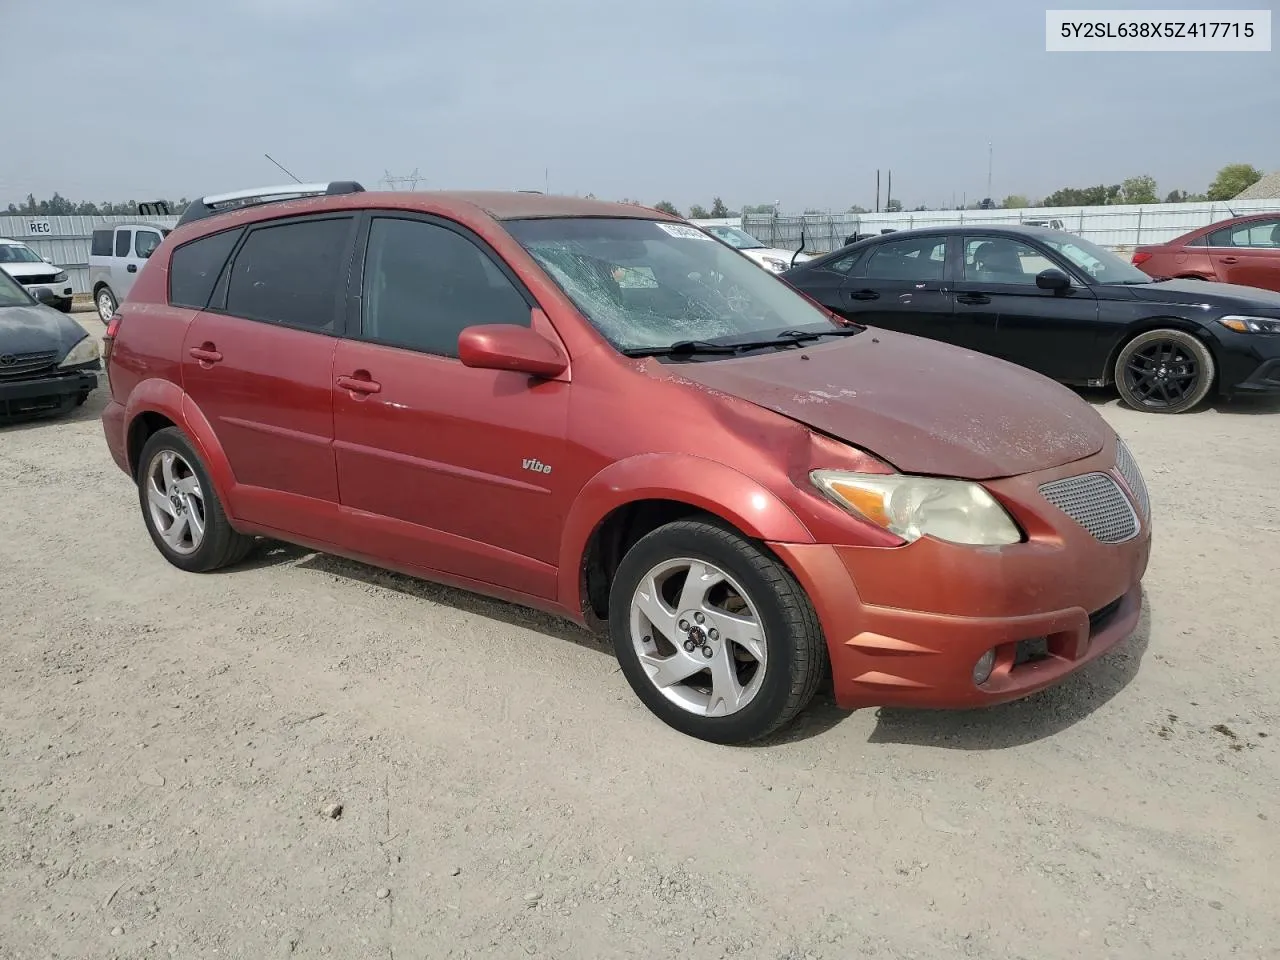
[{"x": 982, "y": 669}]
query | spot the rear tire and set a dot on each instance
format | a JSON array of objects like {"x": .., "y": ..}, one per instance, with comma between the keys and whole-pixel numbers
[
  {"x": 1164, "y": 371},
  {"x": 181, "y": 508},
  {"x": 105, "y": 301},
  {"x": 714, "y": 635}
]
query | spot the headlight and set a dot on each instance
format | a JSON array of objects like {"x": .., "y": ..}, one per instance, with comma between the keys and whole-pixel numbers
[
  {"x": 1250, "y": 324},
  {"x": 913, "y": 507},
  {"x": 86, "y": 351},
  {"x": 60, "y": 277},
  {"x": 774, "y": 264}
]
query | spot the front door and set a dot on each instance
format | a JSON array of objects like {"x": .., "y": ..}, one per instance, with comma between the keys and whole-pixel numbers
[
  {"x": 259, "y": 365},
  {"x": 449, "y": 468},
  {"x": 1053, "y": 333}
]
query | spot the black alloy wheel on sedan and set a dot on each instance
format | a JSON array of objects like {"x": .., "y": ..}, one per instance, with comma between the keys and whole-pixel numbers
[{"x": 1060, "y": 305}]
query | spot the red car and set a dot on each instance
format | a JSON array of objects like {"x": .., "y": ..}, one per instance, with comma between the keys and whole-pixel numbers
[
  {"x": 1244, "y": 250},
  {"x": 601, "y": 411}
]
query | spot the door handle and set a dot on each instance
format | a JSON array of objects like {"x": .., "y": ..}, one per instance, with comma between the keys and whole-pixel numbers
[
  {"x": 132, "y": 268},
  {"x": 1230, "y": 260},
  {"x": 974, "y": 299},
  {"x": 206, "y": 353},
  {"x": 360, "y": 382},
  {"x": 863, "y": 295}
]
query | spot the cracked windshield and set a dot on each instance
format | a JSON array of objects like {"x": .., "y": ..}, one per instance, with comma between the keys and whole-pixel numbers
[{"x": 647, "y": 283}]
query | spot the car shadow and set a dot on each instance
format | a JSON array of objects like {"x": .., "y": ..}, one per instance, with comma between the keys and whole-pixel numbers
[
  {"x": 1023, "y": 721},
  {"x": 270, "y": 553},
  {"x": 1237, "y": 406},
  {"x": 991, "y": 728}
]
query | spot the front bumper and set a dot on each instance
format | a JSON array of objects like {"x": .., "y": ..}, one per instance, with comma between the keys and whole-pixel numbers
[
  {"x": 50, "y": 394},
  {"x": 1250, "y": 363},
  {"x": 62, "y": 292},
  {"x": 906, "y": 625}
]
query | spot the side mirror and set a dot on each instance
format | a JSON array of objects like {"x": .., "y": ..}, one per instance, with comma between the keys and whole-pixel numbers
[
  {"x": 45, "y": 296},
  {"x": 46, "y": 260},
  {"x": 1052, "y": 279},
  {"x": 506, "y": 346}
]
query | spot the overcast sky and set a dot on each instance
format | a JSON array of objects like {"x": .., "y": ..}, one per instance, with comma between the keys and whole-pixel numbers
[{"x": 682, "y": 100}]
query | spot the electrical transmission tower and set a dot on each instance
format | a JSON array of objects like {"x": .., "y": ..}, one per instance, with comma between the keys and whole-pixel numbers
[{"x": 401, "y": 183}]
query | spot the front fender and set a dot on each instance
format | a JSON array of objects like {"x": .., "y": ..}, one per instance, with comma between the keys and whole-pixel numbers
[
  {"x": 706, "y": 484},
  {"x": 170, "y": 401}
]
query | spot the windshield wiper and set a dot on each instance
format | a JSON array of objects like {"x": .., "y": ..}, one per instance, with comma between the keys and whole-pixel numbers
[{"x": 680, "y": 348}]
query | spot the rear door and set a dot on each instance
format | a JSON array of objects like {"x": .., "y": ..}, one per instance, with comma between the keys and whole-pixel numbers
[
  {"x": 124, "y": 268},
  {"x": 1248, "y": 253},
  {"x": 258, "y": 362},
  {"x": 452, "y": 468},
  {"x": 1054, "y": 333},
  {"x": 900, "y": 285}
]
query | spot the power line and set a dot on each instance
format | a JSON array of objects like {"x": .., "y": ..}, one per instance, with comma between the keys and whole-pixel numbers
[{"x": 409, "y": 182}]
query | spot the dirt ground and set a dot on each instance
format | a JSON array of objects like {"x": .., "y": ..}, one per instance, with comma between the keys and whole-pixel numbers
[{"x": 168, "y": 744}]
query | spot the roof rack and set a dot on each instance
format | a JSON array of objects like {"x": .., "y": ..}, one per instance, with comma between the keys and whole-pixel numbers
[{"x": 222, "y": 202}]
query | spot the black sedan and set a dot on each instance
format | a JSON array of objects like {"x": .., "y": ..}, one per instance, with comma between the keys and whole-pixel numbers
[
  {"x": 1060, "y": 305},
  {"x": 48, "y": 362}
]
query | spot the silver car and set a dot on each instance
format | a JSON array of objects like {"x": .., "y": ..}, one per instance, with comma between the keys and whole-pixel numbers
[{"x": 116, "y": 254}]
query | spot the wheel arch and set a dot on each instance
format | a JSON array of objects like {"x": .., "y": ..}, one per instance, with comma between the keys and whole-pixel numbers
[
  {"x": 155, "y": 404},
  {"x": 632, "y": 497},
  {"x": 1146, "y": 325}
]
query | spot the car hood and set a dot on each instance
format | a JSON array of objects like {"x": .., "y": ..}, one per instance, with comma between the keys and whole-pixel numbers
[
  {"x": 1202, "y": 293},
  {"x": 27, "y": 269},
  {"x": 37, "y": 329},
  {"x": 924, "y": 406}
]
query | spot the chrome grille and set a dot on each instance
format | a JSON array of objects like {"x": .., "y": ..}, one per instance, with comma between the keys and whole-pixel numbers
[
  {"x": 1133, "y": 477},
  {"x": 1096, "y": 502},
  {"x": 15, "y": 365}
]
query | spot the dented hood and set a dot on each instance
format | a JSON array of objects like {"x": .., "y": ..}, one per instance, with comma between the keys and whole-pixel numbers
[{"x": 926, "y": 407}]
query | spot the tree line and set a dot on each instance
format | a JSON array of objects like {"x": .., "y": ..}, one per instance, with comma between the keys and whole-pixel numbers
[
  {"x": 1230, "y": 181},
  {"x": 60, "y": 206}
]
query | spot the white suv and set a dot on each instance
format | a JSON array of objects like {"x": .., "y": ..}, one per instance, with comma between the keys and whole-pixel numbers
[{"x": 44, "y": 280}]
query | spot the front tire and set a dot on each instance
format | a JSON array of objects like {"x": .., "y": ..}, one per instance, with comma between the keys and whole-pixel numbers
[
  {"x": 64, "y": 305},
  {"x": 181, "y": 508},
  {"x": 714, "y": 635},
  {"x": 105, "y": 301},
  {"x": 1164, "y": 371}
]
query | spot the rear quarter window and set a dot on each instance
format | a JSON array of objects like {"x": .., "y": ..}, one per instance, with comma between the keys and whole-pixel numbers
[
  {"x": 194, "y": 268},
  {"x": 101, "y": 244}
]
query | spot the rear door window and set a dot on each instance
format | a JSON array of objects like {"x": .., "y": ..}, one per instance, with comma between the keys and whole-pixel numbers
[
  {"x": 101, "y": 245},
  {"x": 916, "y": 260},
  {"x": 124, "y": 240},
  {"x": 290, "y": 273},
  {"x": 194, "y": 268}
]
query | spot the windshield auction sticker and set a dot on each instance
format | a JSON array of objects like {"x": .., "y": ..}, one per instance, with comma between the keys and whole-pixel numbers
[
  {"x": 683, "y": 231},
  {"x": 1157, "y": 31}
]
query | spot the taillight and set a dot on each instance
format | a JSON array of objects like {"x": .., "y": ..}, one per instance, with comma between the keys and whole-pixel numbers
[
  {"x": 109, "y": 337},
  {"x": 1140, "y": 257}
]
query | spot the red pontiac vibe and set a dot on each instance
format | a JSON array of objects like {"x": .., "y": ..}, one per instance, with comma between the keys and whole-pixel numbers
[{"x": 601, "y": 411}]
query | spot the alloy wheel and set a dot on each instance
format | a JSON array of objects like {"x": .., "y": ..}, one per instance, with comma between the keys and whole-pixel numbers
[
  {"x": 1162, "y": 373},
  {"x": 175, "y": 502},
  {"x": 106, "y": 305},
  {"x": 699, "y": 637}
]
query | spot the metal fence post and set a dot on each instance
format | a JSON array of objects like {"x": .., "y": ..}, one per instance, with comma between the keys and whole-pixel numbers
[
  {"x": 1082, "y": 221},
  {"x": 1137, "y": 239}
]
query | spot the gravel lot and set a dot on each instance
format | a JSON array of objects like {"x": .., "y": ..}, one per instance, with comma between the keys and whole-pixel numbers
[{"x": 168, "y": 744}]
